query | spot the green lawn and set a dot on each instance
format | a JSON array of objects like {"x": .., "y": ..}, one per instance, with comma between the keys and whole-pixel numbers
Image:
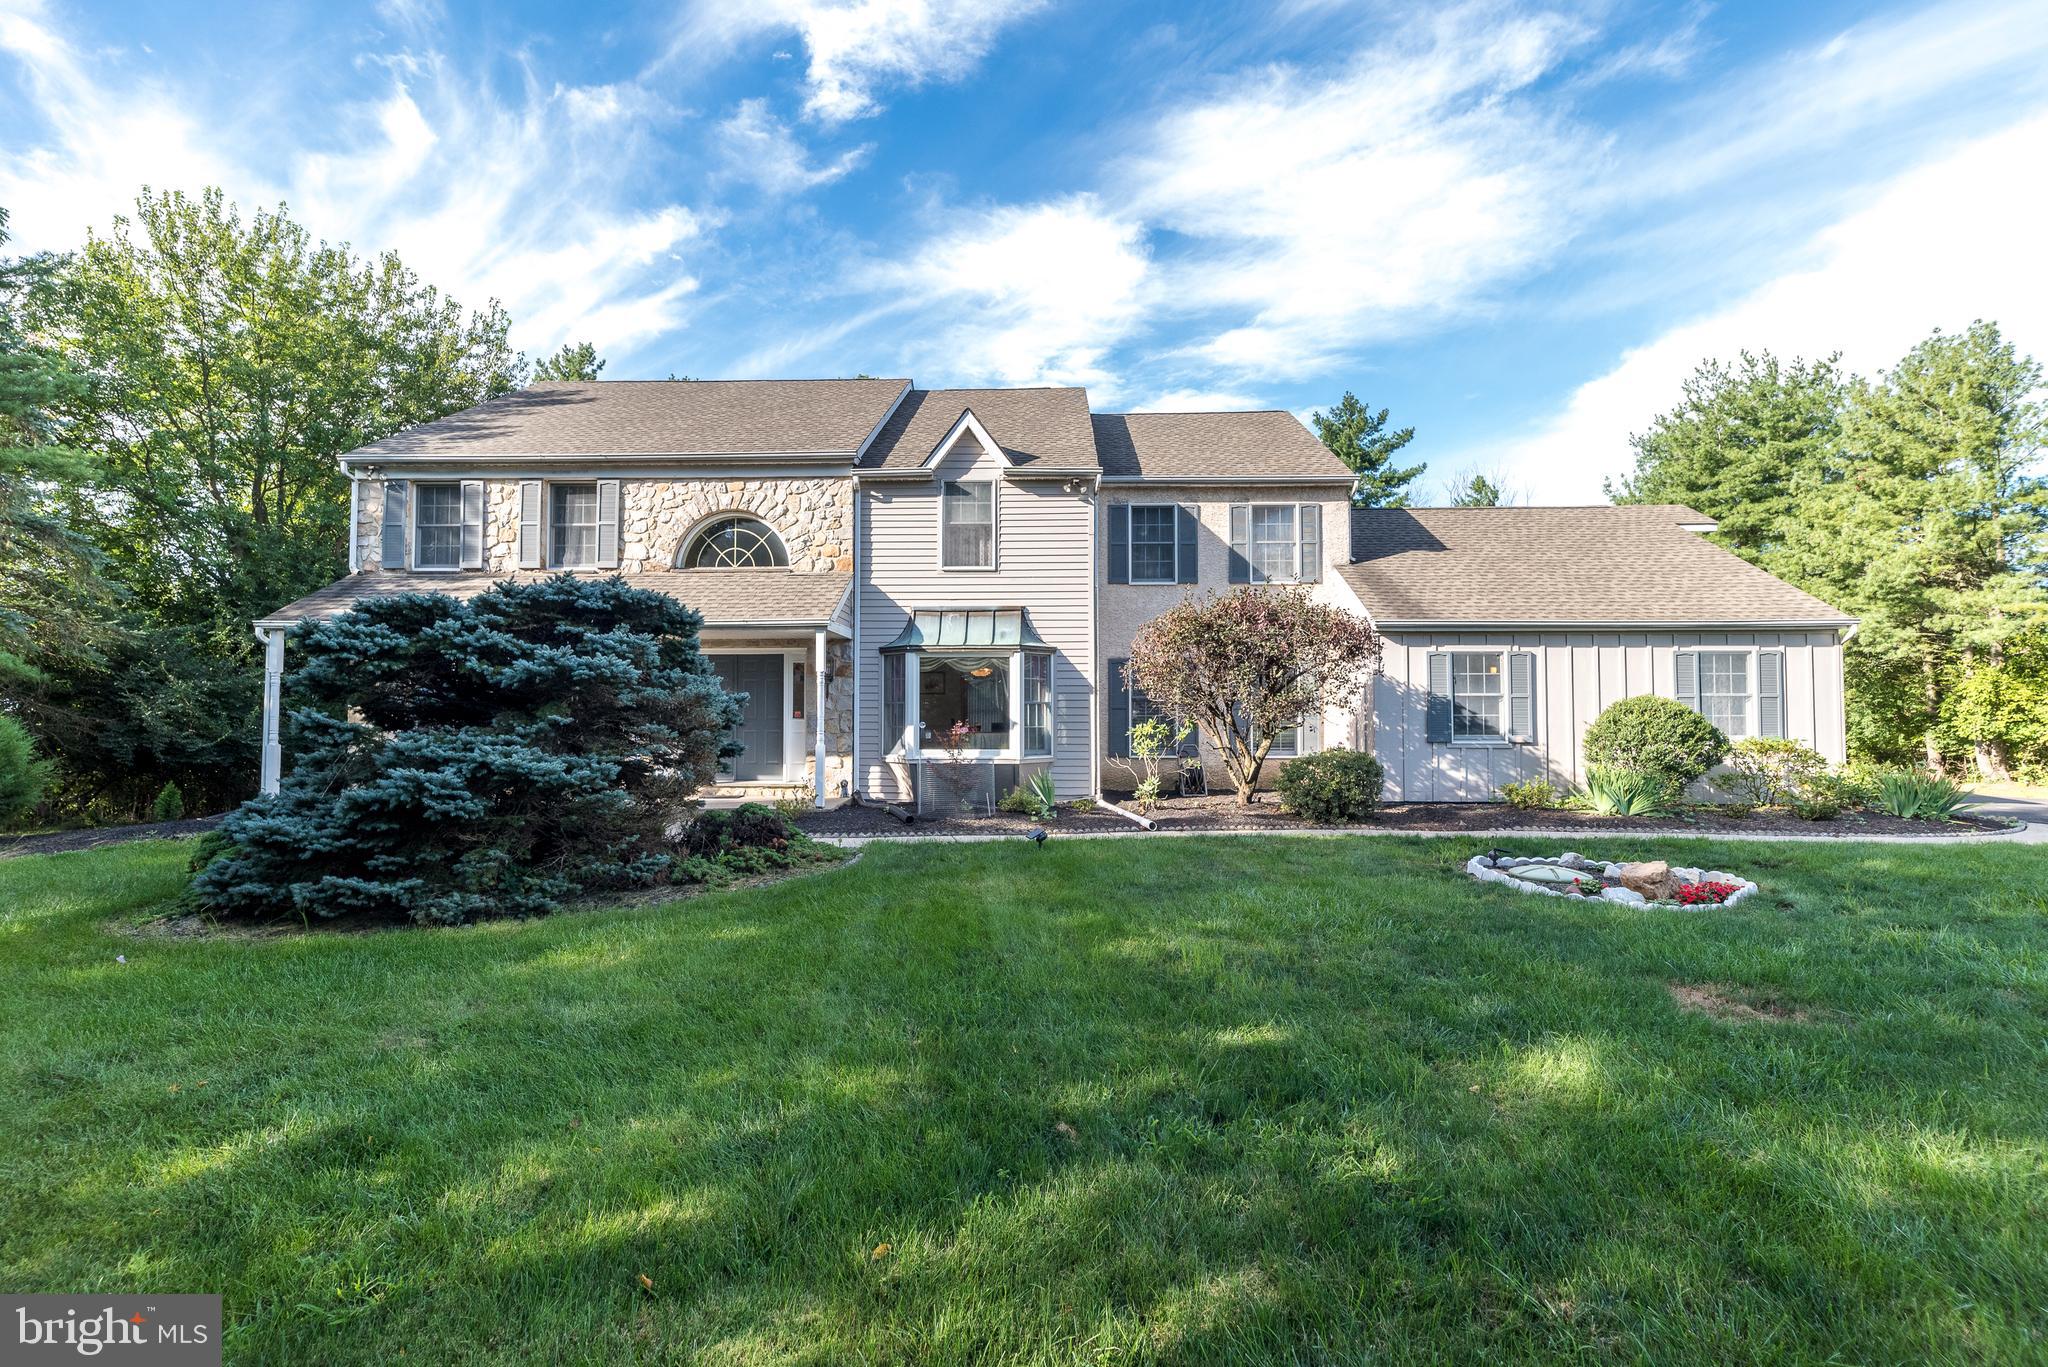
[{"x": 1174, "y": 1100}]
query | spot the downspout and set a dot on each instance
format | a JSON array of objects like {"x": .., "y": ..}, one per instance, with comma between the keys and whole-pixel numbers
[{"x": 856, "y": 781}]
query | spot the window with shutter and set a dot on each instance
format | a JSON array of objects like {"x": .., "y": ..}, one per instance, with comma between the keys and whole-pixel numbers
[
  {"x": 437, "y": 526},
  {"x": 1154, "y": 542},
  {"x": 572, "y": 526}
]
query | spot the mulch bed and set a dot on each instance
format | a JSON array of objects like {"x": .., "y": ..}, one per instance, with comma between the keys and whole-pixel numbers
[
  {"x": 91, "y": 837},
  {"x": 1221, "y": 812}
]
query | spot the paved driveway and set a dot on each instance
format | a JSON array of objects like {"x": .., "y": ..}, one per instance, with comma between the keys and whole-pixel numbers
[{"x": 2014, "y": 800}]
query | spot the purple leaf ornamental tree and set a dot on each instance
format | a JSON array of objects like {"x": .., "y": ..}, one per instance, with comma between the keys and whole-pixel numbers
[{"x": 1245, "y": 666}]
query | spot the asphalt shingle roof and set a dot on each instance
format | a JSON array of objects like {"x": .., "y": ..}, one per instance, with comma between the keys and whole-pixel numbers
[
  {"x": 1264, "y": 445},
  {"x": 1528, "y": 566},
  {"x": 725, "y": 597},
  {"x": 1047, "y": 427},
  {"x": 656, "y": 418}
]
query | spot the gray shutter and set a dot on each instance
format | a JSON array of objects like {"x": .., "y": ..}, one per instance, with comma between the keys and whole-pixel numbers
[
  {"x": 1119, "y": 711},
  {"x": 1310, "y": 521},
  {"x": 529, "y": 524},
  {"x": 1240, "y": 543},
  {"x": 1522, "y": 697},
  {"x": 1770, "y": 693},
  {"x": 1187, "y": 552},
  {"x": 1119, "y": 543},
  {"x": 472, "y": 524},
  {"x": 395, "y": 491},
  {"x": 607, "y": 524},
  {"x": 1688, "y": 670},
  {"x": 1437, "y": 727}
]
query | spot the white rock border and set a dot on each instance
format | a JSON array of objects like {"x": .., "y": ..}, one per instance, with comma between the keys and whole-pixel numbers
[{"x": 1488, "y": 870}]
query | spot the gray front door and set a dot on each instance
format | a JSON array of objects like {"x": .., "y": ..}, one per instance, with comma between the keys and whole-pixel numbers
[{"x": 760, "y": 728}]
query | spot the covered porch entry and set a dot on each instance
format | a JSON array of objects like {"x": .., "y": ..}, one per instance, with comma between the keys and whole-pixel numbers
[{"x": 779, "y": 636}]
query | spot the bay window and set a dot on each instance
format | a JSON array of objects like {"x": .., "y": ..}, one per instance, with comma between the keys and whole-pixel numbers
[{"x": 963, "y": 702}]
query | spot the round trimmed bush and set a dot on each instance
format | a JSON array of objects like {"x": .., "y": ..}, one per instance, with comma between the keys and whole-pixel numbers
[
  {"x": 1332, "y": 786},
  {"x": 1659, "y": 736}
]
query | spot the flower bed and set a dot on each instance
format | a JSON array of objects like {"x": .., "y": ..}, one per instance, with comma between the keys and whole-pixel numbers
[{"x": 1636, "y": 885}]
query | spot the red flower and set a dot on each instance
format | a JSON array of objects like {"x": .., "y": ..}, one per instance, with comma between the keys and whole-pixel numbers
[{"x": 1712, "y": 892}]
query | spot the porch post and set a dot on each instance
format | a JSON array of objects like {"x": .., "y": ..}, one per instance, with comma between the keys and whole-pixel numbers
[
  {"x": 273, "y": 693},
  {"x": 818, "y": 754}
]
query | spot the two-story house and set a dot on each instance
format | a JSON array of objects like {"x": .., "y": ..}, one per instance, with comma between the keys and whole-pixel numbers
[{"x": 899, "y": 579}]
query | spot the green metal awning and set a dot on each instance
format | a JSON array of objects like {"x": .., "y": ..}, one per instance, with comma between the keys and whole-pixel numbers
[{"x": 968, "y": 629}]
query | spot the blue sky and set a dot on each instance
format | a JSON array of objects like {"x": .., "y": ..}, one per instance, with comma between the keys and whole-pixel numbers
[{"x": 1517, "y": 226}]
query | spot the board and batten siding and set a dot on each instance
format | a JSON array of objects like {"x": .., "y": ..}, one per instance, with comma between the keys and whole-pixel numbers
[
  {"x": 1041, "y": 566},
  {"x": 1578, "y": 674}
]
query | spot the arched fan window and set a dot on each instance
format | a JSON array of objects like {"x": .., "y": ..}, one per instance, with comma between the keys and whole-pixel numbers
[{"x": 736, "y": 543}]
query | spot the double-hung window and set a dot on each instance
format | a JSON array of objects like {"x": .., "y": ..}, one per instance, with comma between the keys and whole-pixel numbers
[
  {"x": 1476, "y": 696},
  {"x": 1153, "y": 528},
  {"x": 572, "y": 526},
  {"x": 967, "y": 525},
  {"x": 1275, "y": 543},
  {"x": 1037, "y": 704},
  {"x": 437, "y": 526},
  {"x": 1725, "y": 691},
  {"x": 894, "y": 701}
]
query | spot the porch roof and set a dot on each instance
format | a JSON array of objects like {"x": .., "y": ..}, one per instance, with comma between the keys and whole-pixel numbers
[
  {"x": 726, "y": 598},
  {"x": 968, "y": 629}
]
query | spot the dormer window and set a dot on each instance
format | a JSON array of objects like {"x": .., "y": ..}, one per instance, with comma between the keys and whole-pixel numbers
[{"x": 735, "y": 543}]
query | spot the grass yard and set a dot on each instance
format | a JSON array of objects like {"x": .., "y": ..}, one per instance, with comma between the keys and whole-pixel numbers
[{"x": 1173, "y": 1101}]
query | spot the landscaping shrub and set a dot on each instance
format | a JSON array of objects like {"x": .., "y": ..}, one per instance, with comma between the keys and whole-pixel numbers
[
  {"x": 1627, "y": 792},
  {"x": 23, "y": 776},
  {"x": 748, "y": 839},
  {"x": 169, "y": 804},
  {"x": 1660, "y": 736},
  {"x": 497, "y": 756},
  {"x": 1035, "y": 797},
  {"x": 1532, "y": 795},
  {"x": 1332, "y": 786},
  {"x": 1823, "y": 797},
  {"x": 1919, "y": 796},
  {"x": 1768, "y": 772}
]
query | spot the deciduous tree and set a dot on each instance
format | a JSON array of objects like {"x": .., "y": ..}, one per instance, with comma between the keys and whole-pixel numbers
[{"x": 1249, "y": 664}]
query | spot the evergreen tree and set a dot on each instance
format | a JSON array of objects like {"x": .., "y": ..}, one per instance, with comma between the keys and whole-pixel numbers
[
  {"x": 577, "y": 362},
  {"x": 1359, "y": 438},
  {"x": 1478, "y": 491},
  {"x": 462, "y": 760},
  {"x": 1747, "y": 446}
]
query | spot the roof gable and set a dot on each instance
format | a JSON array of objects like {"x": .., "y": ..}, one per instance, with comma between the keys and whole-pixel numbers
[{"x": 1034, "y": 430}]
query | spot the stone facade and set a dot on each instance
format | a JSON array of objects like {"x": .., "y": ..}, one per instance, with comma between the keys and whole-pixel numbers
[{"x": 814, "y": 518}]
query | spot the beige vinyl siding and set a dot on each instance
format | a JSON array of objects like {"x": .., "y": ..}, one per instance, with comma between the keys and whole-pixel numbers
[
  {"x": 1041, "y": 565},
  {"x": 1125, "y": 608},
  {"x": 1578, "y": 674}
]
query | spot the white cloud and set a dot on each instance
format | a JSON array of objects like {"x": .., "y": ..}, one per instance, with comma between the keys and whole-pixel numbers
[
  {"x": 1953, "y": 240},
  {"x": 858, "y": 48},
  {"x": 1031, "y": 295},
  {"x": 759, "y": 149},
  {"x": 1197, "y": 401},
  {"x": 521, "y": 200},
  {"x": 1327, "y": 213}
]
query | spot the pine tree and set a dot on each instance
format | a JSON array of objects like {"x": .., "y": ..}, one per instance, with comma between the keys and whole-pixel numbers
[{"x": 1359, "y": 438}]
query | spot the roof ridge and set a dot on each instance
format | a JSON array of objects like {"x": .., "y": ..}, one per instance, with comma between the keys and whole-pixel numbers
[{"x": 757, "y": 379}]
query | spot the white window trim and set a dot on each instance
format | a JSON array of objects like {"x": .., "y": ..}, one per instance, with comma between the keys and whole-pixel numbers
[
  {"x": 1750, "y": 719},
  {"x": 908, "y": 745},
  {"x": 1131, "y": 544},
  {"x": 995, "y": 525},
  {"x": 547, "y": 527},
  {"x": 412, "y": 531},
  {"x": 1482, "y": 742},
  {"x": 1250, "y": 540}
]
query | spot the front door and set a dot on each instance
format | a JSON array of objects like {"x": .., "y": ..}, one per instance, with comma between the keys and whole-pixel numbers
[{"x": 760, "y": 730}]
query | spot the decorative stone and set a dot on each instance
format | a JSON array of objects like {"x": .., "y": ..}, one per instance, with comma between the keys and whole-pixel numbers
[
  {"x": 1626, "y": 897},
  {"x": 1652, "y": 879},
  {"x": 1551, "y": 878}
]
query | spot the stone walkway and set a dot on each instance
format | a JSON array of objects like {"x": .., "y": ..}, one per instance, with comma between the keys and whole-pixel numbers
[{"x": 2033, "y": 833}]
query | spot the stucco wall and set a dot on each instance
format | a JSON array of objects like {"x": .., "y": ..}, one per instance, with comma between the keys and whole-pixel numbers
[
  {"x": 1042, "y": 565},
  {"x": 1124, "y": 608},
  {"x": 813, "y": 516},
  {"x": 1577, "y": 675}
]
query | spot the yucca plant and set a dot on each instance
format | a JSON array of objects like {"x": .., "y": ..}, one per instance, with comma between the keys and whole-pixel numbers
[
  {"x": 1627, "y": 792},
  {"x": 1918, "y": 796}
]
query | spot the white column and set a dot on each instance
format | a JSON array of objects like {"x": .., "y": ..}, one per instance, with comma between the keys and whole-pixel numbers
[
  {"x": 273, "y": 696},
  {"x": 818, "y": 712}
]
